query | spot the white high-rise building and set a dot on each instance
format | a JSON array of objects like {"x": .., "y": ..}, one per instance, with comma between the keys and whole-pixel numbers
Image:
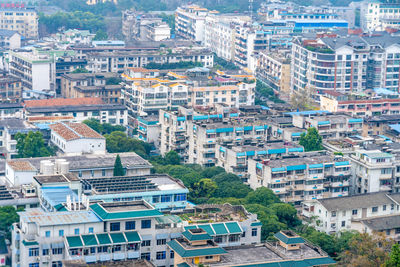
[{"x": 377, "y": 16}]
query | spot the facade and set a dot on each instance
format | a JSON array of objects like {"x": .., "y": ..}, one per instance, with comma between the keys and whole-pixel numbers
[
  {"x": 66, "y": 65},
  {"x": 119, "y": 61},
  {"x": 35, "y": 73},
  {"x": 345, "y": 64},
  {"x": 10, "y": 39},
  {"x": 10, "y": 89},
  {"x": 379, "y": 15},
  {"x": 158, "y": 31},
  {"x": 149, "y": 130},
  {"x": 333, "y": 215},
  {"x": 305, "y": 177},
  {"x": 79, "y": 109},
  {"x": 134, "y": 24},
  {"x": 17, "y": 17},
  {"x": 88, "y": 85},
  {"x": 77, "y": 139},
  {"x": 274, "y": 70},
  {"x": 190, "y": 22}
]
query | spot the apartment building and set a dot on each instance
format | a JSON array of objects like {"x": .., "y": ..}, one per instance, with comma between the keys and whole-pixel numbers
[
  {"x": 77, "y": 139},
  {"x": 345, "y": 63},
  {"x": 105, "y": 232},
  {"x": 379, "y": 15},
  {"x": 10, "y": 88},
  {"x": 235, "y": 159},
  {"x": 11, "y": 110},
  {"x": 66, "y": 65},
  {"x": 35, "y": 72},
  {"x": 190, "y": 22},
  {"x": 333, "y": 215},
  {"x": 274, "y": 69},
  {"x": 119, "y": 61},
  {"x": 148, "y": 130},
  {"x": 88, "y": 85},
  {"x": 158, "y": 32},
  {"x": 134, "y": 24},
  {"x": 17, "y": 17},
  {"x": 300, "y": 178},
  {"x": 79, "y": 109},
  {"x": 10, "y": 39},
  {"x": 75, "y": 37},
  {"x": 219, "y": 34},
  {"x": 373, "y": 105}
]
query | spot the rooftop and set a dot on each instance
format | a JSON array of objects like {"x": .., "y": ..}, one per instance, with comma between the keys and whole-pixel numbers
[
  {"x": 21, "y": 166},
  {"x": 56, "y": 178},
  {"x": 358, "y": 201},
  {"x": 382, "y": 223},
  {"x": 124, "y": 210},
  {"x": 74, "y": 108},
  {"x": 72, "y": 131},
  {"x": 63, "y": 102}
]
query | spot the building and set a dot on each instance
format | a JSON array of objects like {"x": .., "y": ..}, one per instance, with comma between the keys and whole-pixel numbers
[
  {"x": 388, "y": 225},
  {"x": 82, "y": 166},
  {"x": 296, "y": 179},
  {"x": 190, "y": 22},
  {"x": 158, "y": 31},
  {"x": 379, "y": 15},
  {"x": 197, "y": 247},
  {"x": 374, "y": 105},
  {"x": 11, "y": 110},
  {"x": 134, "y": 24},
  {"x": 274, "y": 69},
  {"x": 10, "y": 88},
  {"x": 17, "y": 17},
  {"x": 88, "y": 85},
  {"x": 333, "y": 215},
  {"x": 75, "y": 37},
  {"x": 8, "y": 128},
  {"x": 149, "y": 130},
  {"x": 35, "y": 72},
  {"x": 10, "y": 39},
  {"x": 119, "y": 61},
  {"x": 66, "y": 65},
  {"x": 79, "y": 108},
  {"x": 345, "y": 63},
  {"x": 77, "y": 139}
]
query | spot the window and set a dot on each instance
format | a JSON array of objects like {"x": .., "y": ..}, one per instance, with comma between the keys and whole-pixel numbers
[
  {"x": 166, "y": 198},
  {"x": 145, "y": 256},
  {"x": 172, "y": 254},
  {"x": 397, "y": 230},
  {"x": 36, "y": 264},
  {"x": 146, "y": 243},
  {"x": 156, "y": 199},
  {"x": 180, "y": 197},
  {"x": 254, "y": 232},
  {"x": 56, "y": 251},
  {"x": 76, "y": 231},
  {"x": 103, "y": 172},
  {"x": 343, "y": 223},
  {"x": 161, "y": 242},
  {"x": 388, "y": 232},
  {"x": 33, "y": 252},
  {"x": 56, "y": 264},
  {"x": 130, "y": 225},
  {"x": 115, "y": 226},
  {"x": 384, "y": 207},
  {"x": 45, "y": 251},
  {"x": 146, "y": 224},
  {"x": 374, "y": 209},
  {"x": 391, "y": 206},
  {"x": 60, "y": 232},
  {"x": 47, "y": 233},
  {"x": 160, "y": 255},
  {"x": 333, "y": 213},
  {"x": 354, "y": 212},
  {"x": 209, "y": 257},
  {"x": 90, "y": 230}
]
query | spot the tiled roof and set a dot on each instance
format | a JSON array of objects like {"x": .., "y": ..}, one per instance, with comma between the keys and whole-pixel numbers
[
  {"x": 21, "y": 165},
  {"x": 105, "y": 215},
  {"x": 143, "y": 70},
  {"x": 72, "y": 131},
  {"x": 64, "y": 102},
  {"x": 194, "y": 252}
]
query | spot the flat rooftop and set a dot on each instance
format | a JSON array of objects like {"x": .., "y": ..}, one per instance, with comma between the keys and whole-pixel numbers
[
  {"x": 126, "y": 206},
  {"x": 305, "y": 158},
  {"x": 56, "y": 178},
  {"x": 265, "y": 253}
]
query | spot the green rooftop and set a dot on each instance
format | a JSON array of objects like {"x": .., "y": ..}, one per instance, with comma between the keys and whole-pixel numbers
[
  {"x": 74, "y": 241},
  {"x": 193, "y": 236},
  {"x": 293, "y": 263},
  {"x": 194, "y": 252},
  {"x": 29, "y": 243},
  {"x": 132, "y": 236},
  {"x": 101, "y": 211},
  {"x": 287, "y": 239},
  {"x": 214, "y": 229},
  {"x": 117, "y": 238},
  {"x": 104, "y": 239},
  {"x": 89, "y": 240}
]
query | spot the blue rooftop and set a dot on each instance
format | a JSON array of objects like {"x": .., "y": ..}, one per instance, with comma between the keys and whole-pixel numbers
[
  {"x": 384, "y": 91},
  {"x": 395, "y": 127},
  {"x": 306, "y": 112},
  {"x": 58, "y": 195}
]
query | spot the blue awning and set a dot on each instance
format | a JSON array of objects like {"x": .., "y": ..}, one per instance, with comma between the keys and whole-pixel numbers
[
  {"x": 296, "y": 167},
  {"x": 342, "y": 163},
  {"x": 282, "y": 169},
  {"x": 277, "y": 151},
  {"x": 314, "y": 166},
  {"x": 296, "y": 149}
]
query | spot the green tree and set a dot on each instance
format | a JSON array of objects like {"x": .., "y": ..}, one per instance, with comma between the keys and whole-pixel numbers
[
  {"x": 113, "y": 81},
  {"x": 263, "y": 196},
  {"x": 172, "y": 158},
  {"x": 94, "y": 124},
  {"x": 100, "y": 36},
  {"x": 118, "y": 141},
  {"x": 32, "y": 145},
  {"x": 204, "y": 188},
  {"x": 118, "y": 168},
  {"x": 212, "y": 171},
  {"x": 394, "y": 260},
  {"x": 286, "y": 214},
  {"x": 8, "y": 216},
  {"x": 311, "y": 141},
  {"x": 103, "y": 128},
  {"x": 80, "y": 70}
]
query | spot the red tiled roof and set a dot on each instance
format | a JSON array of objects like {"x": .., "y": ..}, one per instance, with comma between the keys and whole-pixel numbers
[
  {"x": 142, "y": 69},
  {"x": 71, "y": 131},
  {"x": 64, "y": 102}
]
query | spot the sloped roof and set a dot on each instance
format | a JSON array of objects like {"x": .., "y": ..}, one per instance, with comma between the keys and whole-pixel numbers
[
  {"x": 71, "y": 131},
  {"x": 64, "y": 102}
]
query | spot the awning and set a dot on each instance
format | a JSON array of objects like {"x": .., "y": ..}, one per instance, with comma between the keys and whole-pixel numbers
[
  {"x": 132, "y": 236},
  {"x": 233, "y": 228},
  {"x": 219, "y": 229},
  {"x": 89, "y": 240},
  {"x": 104, "y": 239},
  {"x": 117, "y": 238},
  {"x": 73, "y": 242}
]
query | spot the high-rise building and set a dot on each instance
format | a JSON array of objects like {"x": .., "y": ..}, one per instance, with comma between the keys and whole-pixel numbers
[{"x": 19, "y": 18}]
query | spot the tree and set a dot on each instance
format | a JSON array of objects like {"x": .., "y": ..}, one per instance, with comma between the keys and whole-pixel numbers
[
  {"x": 8, "y": 216},
  {"x": 204, "y": 188},
  {"x": 394, "y": 260},
  {"x": 118, "y": 168},
  {"x": 32, "y": 145},
  {"x": 172, "y": 158},
  {"x": 100, "y": 36},
  {"x": 119, "y": 142},
  {"x": 263, "y": 196},
  {"x": 367, "y": 250},
  {"x": 311, "y": 141},
  {"x": 80, "y": 70},
  {"x": 103, "y": 128}
]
